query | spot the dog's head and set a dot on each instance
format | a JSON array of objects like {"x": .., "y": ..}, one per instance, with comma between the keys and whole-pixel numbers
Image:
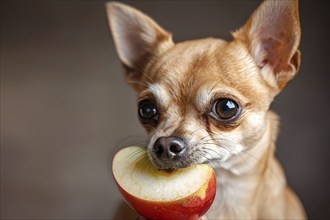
[{"x": 203, "y": 101}]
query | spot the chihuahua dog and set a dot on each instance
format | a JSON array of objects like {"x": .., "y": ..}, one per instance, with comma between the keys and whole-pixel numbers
[{"x": 207, "y": 101}]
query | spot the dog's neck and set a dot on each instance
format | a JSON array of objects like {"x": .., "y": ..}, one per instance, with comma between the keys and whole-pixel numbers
[{"x": 241, "y": 178}]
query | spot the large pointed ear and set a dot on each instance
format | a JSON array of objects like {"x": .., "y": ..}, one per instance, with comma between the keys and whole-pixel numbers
[
  {"x": 137, "y": 38},
  {"x": 272, "y": 36}
]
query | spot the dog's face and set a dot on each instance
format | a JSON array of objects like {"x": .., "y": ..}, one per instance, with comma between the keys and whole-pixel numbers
[{"x": 204, "y": 101}]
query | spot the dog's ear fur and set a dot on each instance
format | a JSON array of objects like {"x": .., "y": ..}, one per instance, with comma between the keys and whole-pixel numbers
[
  {"x": 138, "y": 38},
  {"x": 272, "y": 36}
]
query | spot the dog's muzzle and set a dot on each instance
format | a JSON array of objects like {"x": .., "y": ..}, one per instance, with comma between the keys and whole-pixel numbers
[{"x": 169, "y": 152}]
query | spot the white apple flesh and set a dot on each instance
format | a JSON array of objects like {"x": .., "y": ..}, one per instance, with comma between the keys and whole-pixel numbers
[{"x": 159, "y": 194}]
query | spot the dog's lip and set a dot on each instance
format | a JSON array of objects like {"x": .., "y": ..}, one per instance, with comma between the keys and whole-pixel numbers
[{"x": 169, "y": 165}]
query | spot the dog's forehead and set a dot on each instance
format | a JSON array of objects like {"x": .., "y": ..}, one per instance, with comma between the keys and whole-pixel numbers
[
  {"x": 180, "y": 63},
  {"x": 190, "y": 69}
]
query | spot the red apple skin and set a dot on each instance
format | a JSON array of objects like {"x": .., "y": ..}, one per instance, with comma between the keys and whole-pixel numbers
[{"x": 189, "y": 208}]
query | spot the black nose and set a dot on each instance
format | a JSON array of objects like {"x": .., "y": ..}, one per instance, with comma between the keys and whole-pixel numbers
[{"x": 169, "y": 147}]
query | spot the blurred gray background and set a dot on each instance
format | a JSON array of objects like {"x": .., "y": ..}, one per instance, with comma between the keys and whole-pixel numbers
[{"x": 65, "y": 109}]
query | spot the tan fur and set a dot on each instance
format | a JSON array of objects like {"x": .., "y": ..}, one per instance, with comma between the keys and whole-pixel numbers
[{"x": 185, "y": 80}]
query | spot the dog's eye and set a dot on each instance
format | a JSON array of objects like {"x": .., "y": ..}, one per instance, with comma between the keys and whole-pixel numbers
[
  {"x": 147, "y": 111},
  {"x": 225, "y": 109}
]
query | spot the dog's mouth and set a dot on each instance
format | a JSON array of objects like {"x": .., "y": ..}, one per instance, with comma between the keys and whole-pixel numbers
[
  {"x": 170, "y": 165},
  {"x": 171, "y": 153}
]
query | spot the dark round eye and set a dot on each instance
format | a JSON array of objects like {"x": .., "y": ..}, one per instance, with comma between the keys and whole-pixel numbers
[
  {"x": 147, "y": 111},
  {"x": 226, "y": 109}
]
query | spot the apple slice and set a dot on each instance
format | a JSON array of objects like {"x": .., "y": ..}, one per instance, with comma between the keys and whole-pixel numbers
[{"x": 159, "y": 194}]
